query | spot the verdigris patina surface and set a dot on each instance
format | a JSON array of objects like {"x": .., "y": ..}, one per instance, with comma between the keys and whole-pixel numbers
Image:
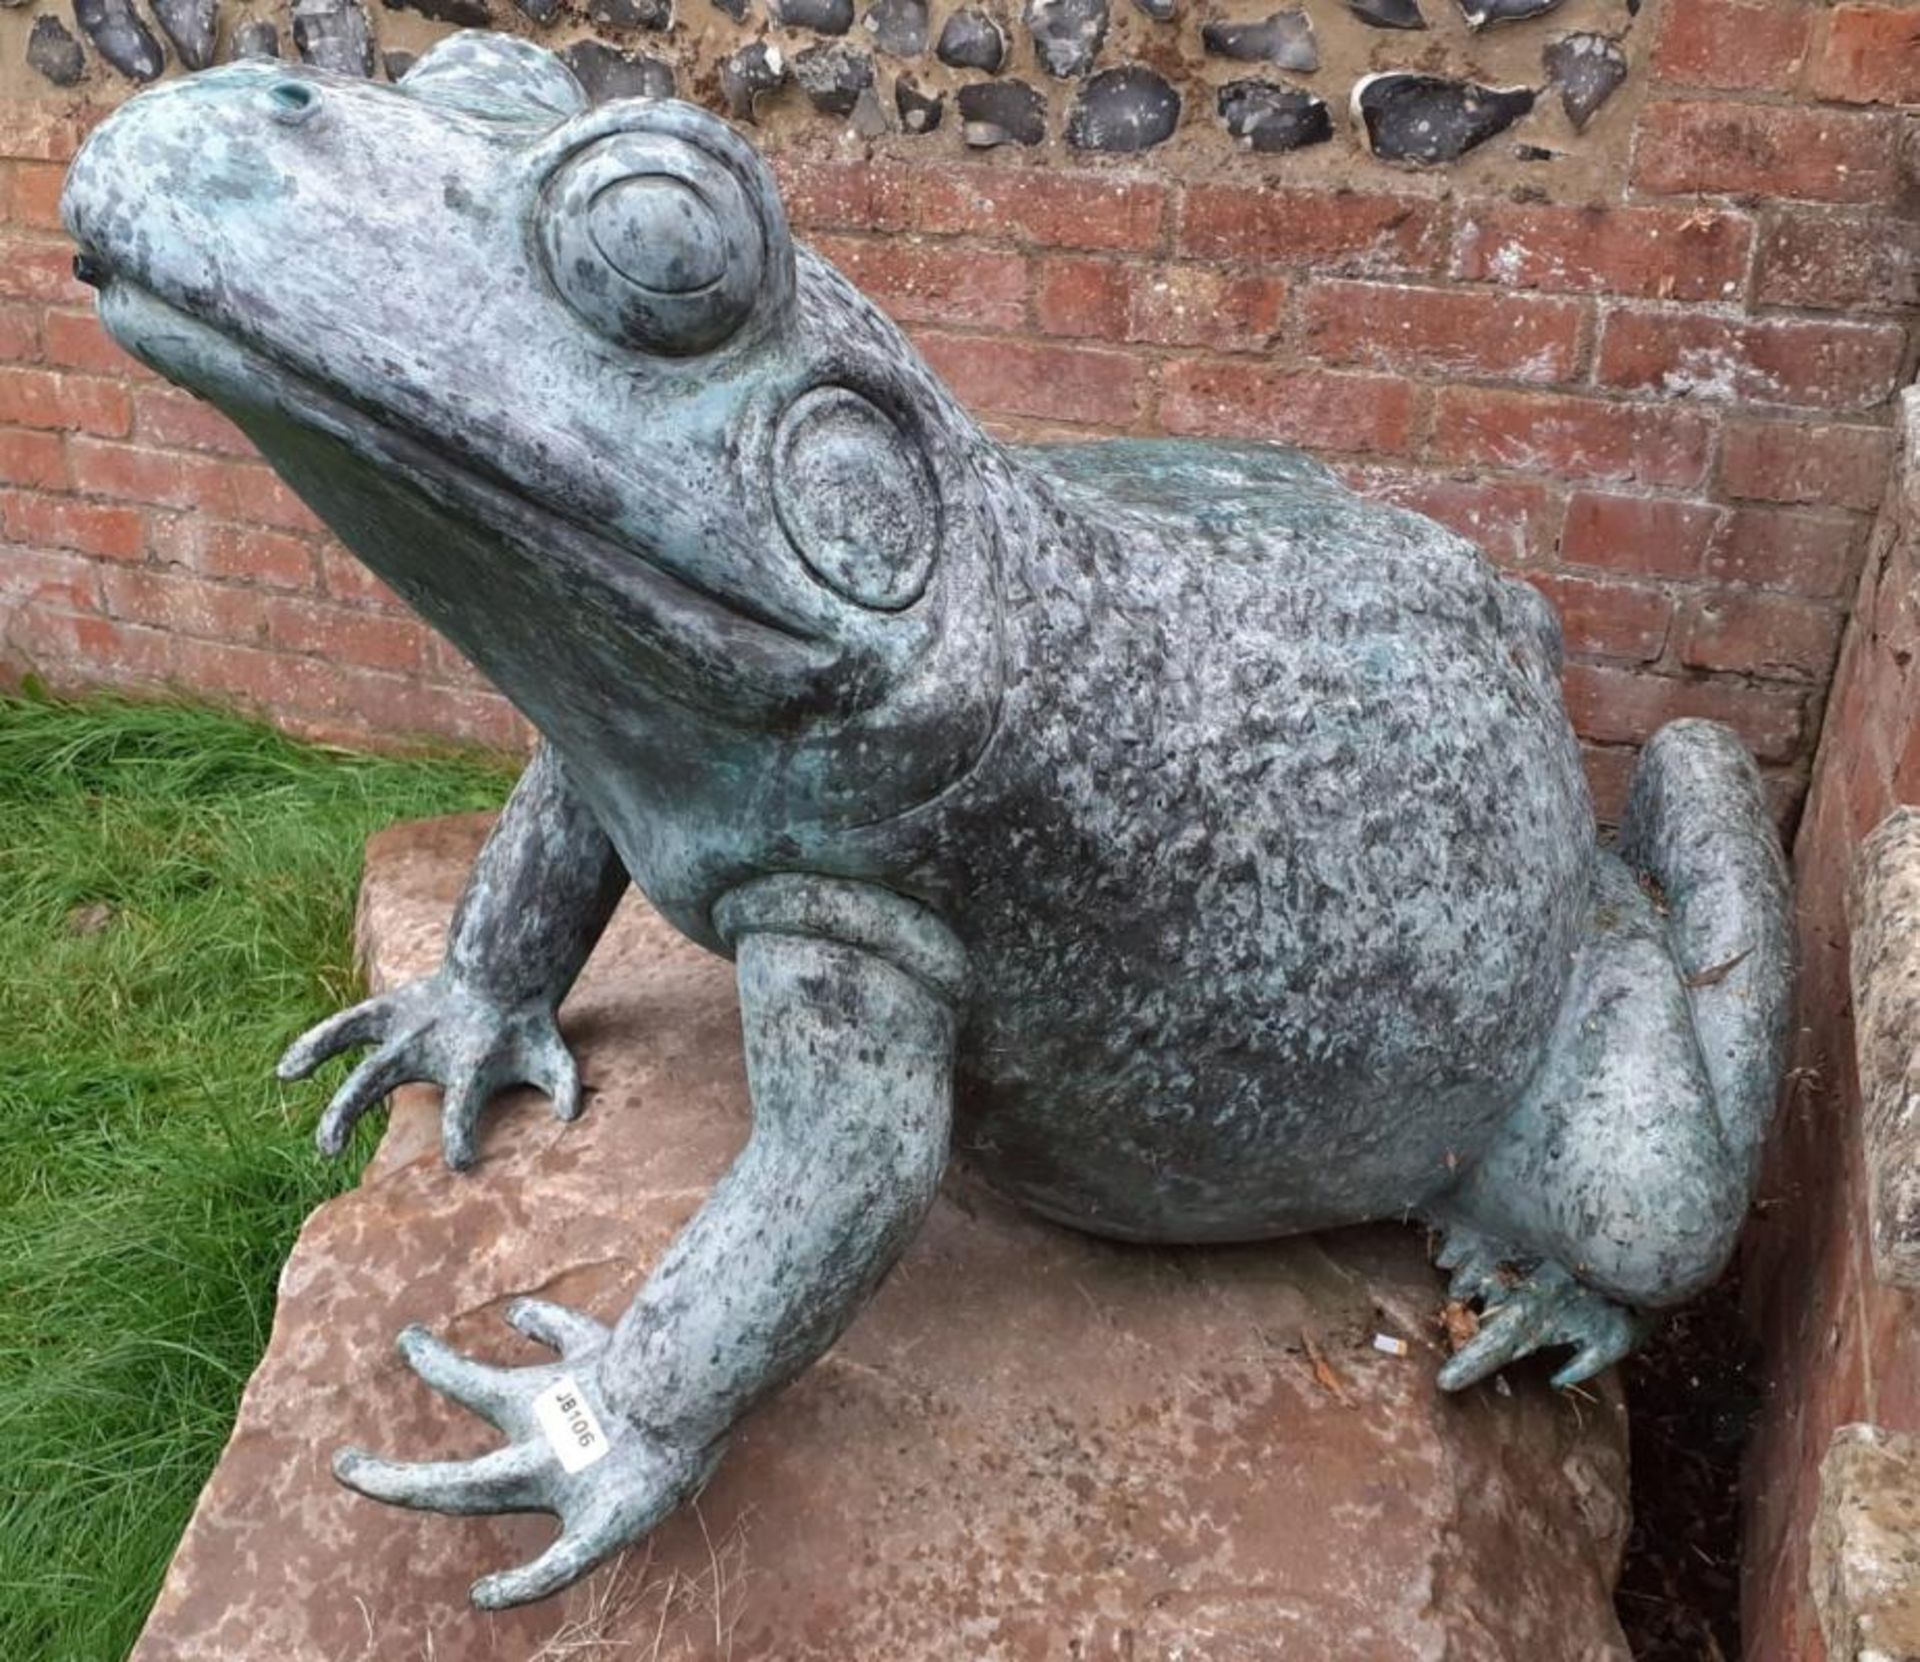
[{"x": 1199, "y": 851}]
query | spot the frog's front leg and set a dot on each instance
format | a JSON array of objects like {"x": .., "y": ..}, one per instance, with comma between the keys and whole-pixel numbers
[
  {"x": 848, "y": 997},
  {"x": 537, "y": 900}
]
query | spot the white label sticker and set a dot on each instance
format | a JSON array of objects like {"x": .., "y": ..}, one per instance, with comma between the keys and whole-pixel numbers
[{"x": 572, "y": 1430}]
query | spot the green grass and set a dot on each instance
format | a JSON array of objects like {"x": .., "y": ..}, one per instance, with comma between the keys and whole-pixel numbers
[{"x": 176, "y": 897}]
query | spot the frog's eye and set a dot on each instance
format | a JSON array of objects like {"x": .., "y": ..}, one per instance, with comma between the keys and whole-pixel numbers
[
  {"x": 855, "y": 498},
  {"x": 496, "y": 76},
  {"x": 654, "y": 241}
]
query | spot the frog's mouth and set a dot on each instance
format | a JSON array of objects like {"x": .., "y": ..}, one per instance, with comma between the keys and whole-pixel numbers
[{"x": 705, "y": 641}]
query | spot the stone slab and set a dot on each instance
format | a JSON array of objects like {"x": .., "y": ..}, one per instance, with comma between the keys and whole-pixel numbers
[
  {"x": 1884, "y": 911},
  {"x": 1031, "y": 1445},
  {"x": 1865, "y": 1556}
]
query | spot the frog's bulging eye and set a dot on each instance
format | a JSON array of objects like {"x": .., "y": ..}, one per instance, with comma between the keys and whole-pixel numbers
[
  {"x": 654, "y": 242},
  {"x": 855, "y": 498}
]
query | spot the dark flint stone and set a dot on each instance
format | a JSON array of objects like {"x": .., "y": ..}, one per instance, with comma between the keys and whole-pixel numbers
[
  {"x": 396, "y": 64},
  {"x": 1284, "y": 39},
  {"x": 972, "y": 40},
  {"x": 1588, "y": 69},
  {"x": 122, "y": 39},
  {"x": 462, "y": 14},
  {"x": 629, "y": 14},
  {"x": 899, "y": 27},
  {"x": 756, "y": 68},
  {"x": 193, "y": 26},
  {"x": 1016, "y": 110},
  {"x": 833, "y": 77},
  {"x": 1161, "y": 11},
  {"x": 823, "y": 17},
  {"x": 1428, "y": 119},
  {"x": 608, "y": 74},
  {"x": 1480, "y": 13},
  {"x": 919, "y": 112},
  {"x": 735, "y": 9},
  {"x": 869, "y": 118},
  {"x": 1389, "y": 14},
  {"x": 1534, "y": 153},
  {"x": 1271, "y": 119},
  {"x": 55, "y": 53},
  {"x": 540, "y": 12},
  {"x": 1067, "y": 34},
  {"x": 333, "y": 34},
  {"x": 256, "y": 39},
  {"x": 1123, "y": 110}
]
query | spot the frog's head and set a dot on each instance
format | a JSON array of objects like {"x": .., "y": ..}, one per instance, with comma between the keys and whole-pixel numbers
[{"x": 562, "y": 376}]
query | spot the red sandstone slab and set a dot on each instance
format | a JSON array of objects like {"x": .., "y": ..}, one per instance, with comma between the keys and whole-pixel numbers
[{"x": 1031, "y": 1445}]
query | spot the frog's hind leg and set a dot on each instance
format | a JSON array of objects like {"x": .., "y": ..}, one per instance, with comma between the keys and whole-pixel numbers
[{"x": 1619, "y": 1185}]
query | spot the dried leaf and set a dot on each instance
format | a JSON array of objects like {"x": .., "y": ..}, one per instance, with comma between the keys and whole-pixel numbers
[
  {"x": 1323, "y": 1373},
  {"x": 1459, "y": 1322}
]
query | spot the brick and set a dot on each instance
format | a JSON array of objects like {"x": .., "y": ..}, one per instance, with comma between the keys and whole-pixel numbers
[
  {"x": 1609, "y": 770},
  {"x": 347, "y": 634},
  {"x": 245, "y": 553},
  {"x": 1048, "y": 381},
  {"x": 80, "y": 403},
  {"x": 1512, "y": 521},
  {"x": 843, "y": 196},
  {"x": 102, "y": 648},
  {"x": 260, "y": 495},
  {"x": 1839, "y": 260},
  {"x": 1814, "y": 364},
  {"x": 1812, "y": 554},
  {"x": 1653, "y": 253},
  {"x": 75, "y": 340},
  {"x": 1203, "y": 306},
  {"x": 34, "y": 131},
  {"x": 160, "y": 478},
  {"x": 164, "y": 416},
  {"x": 1775, "y": 637},
  {"x": 1805, "y": 463},
  {"x": 1577, "y": 438},
  {"x": 61, "y": 522},
  {"x": 42, "y": 577},
  {"x": 1732, "y": 45},
  {"x": 344, "y": 578},
  {"x": 1614, "y": 705},
  {"x": 1084, "y": 298},
  {"x": 1607, "y": 619},
  {"x": 34, "y": 459},
  {"x": 1871, "y": 56},
  {"x": 1451, "y": 332},
  {"x": 922, "y": 282},
  {"x": 1820, "y": 155},
  {"x": 34, "y": 199},
  {"x": 32, "y": 268},
  {"x": 19, "y": 334},
  {"x": 184, "y": 604},
  {"x": 1332, "y": 413},
  {"x": 1651, "y": 536},
  {"x": 1050, "y": 210},
  {"x": 1334, "y": 232}
]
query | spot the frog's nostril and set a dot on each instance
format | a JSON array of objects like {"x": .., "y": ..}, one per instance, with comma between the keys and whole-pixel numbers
[
  {"x": 293, "y": 101},
  {"x": 88, "y": 270}
]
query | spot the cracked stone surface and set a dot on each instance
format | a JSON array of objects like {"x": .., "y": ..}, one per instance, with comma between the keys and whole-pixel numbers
[
  {"x": 1884, "y": 907},
  {"x": 1865, "y": 1548},
  {"x": 1031, "y": 1444}
]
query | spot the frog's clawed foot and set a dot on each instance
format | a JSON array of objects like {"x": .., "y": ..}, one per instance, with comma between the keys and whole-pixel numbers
[
  {"x": 442, "y": 1032},
  {"x": 1529, "y": 1303},
  {"x": 608, "y": 1480}
]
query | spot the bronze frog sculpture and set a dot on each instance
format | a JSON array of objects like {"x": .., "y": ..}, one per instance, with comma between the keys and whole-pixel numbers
[{"x": 1199, "y": 850}]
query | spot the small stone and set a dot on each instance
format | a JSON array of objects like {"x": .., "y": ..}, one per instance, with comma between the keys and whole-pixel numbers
[
  {"x": 539, "y": 12},
  {"x": 607, "y": 73},
  {"x": 1534, "y": 153},
  {"x": 1427, "y": 119},
  {"x": 735, "y": 9},
  {"x": 396, "y": 64},
  {"x": 1389, "y": 14},
  {"x": 193, "y": 26},
  {"x": 758, "y": 67},
  {"x": 121, "y": 38},
  {"x": 833, "y": 77},
  {"x": 1480, "y": 13},
  {"x": 1270, "y": 119},
  {"x": 630, "y": 14},
  {"x": 919, "y": 112},
  {"x": 256, "y": 39},
  {"x": 1014, "y": 111},
  {"x": 972, "y": 40},
  {"x": 1123, "y": 110},
  {"x": 333, "y": 34},
  {"x": 1588, "y": 69},
  {"x": 462, "y": 14},
  {"x": 1067, "y": 34},
  {"x": 823, "y": 17},
  {"x": 898, "y": 27},
  {"x": 55, "y": 53},
  {"x": 1161, "y": 11},
  {"x": 1283, "y": 38},
  {"x": 869, "y": 117}
]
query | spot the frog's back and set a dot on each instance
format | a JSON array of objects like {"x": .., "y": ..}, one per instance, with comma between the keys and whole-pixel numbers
[{"x": 1280, "y": 840}]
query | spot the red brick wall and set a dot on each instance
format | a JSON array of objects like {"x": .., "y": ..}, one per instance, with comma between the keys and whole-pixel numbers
[{"x": 1662, "y": 396}]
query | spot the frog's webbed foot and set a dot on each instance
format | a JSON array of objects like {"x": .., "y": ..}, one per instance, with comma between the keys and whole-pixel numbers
[
  {"x": 609, "y": 1481},
  {"x": 446, "y": 1033},
  {"x": 1528, "y": 1303}
]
